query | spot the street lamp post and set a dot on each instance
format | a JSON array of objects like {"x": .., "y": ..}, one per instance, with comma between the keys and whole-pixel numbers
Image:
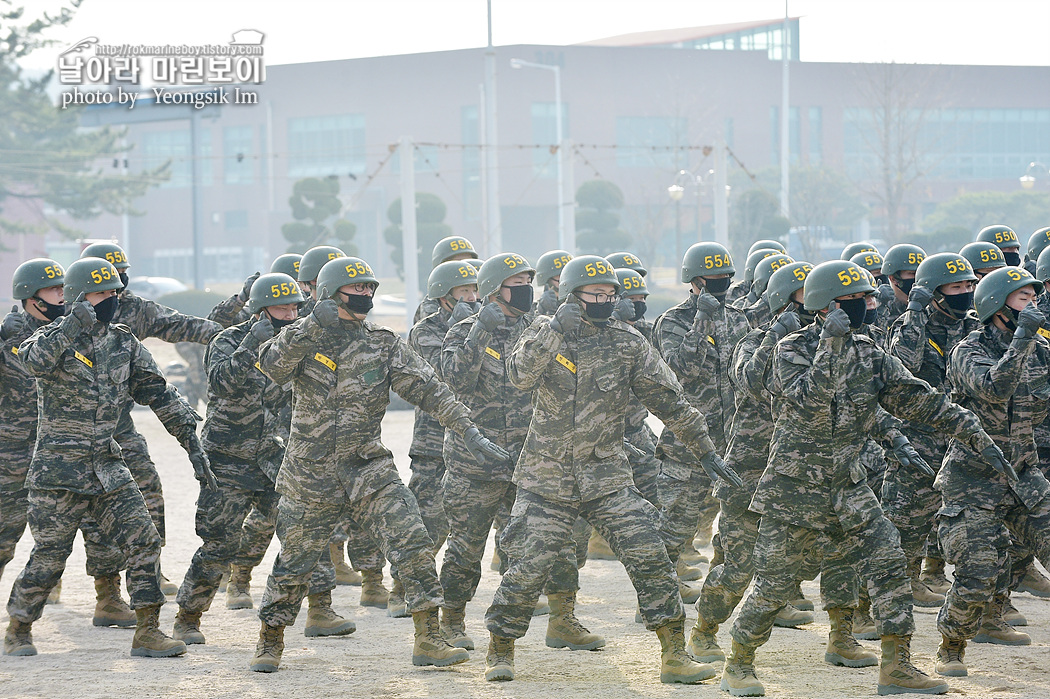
[
  {"x": 1028, "y": 179},
  {"x": 676, "y": 191},
  {"x": 518, "y": 63}
]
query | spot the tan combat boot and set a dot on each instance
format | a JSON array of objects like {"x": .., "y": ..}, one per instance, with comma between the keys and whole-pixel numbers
[
  {"x": 188, "y": 627},
  {"x": 55, "y": 596},
  {"x": 430, "y": 647},
  {"x": 898, "y": 676},
  {"x": 843, "y": 648},
  {"x": 19, "y": 639},
  {"x": 687, "y": 572},
  {"x": 453, "y": 626},
  {"x": 738, "y": 675},
  {"x": 321, "y": 619},
  {"x": 110, "y": 607},
  {"x": 1035, "y": 583},
  {"x": 691, "y": 556},
  {"x": 675, "y": 664},
  {"x": 933, "y": 576},
  {"x": 598, "y": 548},
  {"x": 950, "y": 658},
  {"x": 863, "y": 624},
  {"x": 791, "y": 618},
  {"x": 395, "y": 605},
  {"x": 238, "y": 589},
  {"x": 499, "y": 661},
  {"x": 344, "y": 574},
  {"x": 702, "y": 644},
  {"x": 169, "y": 588},
  {"x": 564, "y": 630},
  {"x": 690, "y": 593},
  {"x": 269, "y": 649},
  {"x": 799, "y": 600},
  {"x": 994, "y": 629},
  {"x": 373, "y": 592},
  {"x": 1013, "y": 616},
  {"x": 921, "y": 595},
  {"x": 150, "y": 641},
  {"x": 541, "y": 607}
]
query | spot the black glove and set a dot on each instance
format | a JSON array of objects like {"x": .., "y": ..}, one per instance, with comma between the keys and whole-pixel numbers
[
  {"x": 13, "y": 324},
  {"x": 994, "y": 456},
  {"x": 707, "y": 308},
  {"x": 548, "y": 303},
  {"x": 326, "y": 313},
  {"x": 81, "y": 317},
  {"x": 490, "y": 316},
  {"x": 902, "y": 450},
  {"x": 786, "y": 323},
  {"x": 1029, "y": 320},
  {"x": 836, "y": 324},
  {"x": 482, "y": 449},
  {"x": 624, "y": 310},
  {"x": 919, "y": 298},
  {"x": 246, "y": 290},
  {"x": 461, "y": 311},
  {"x": 261, "y": 331},
  {"x": 885, "y": 294},
  {"x": 717, "y": 469},
  {"x": 199, "y": 460},
  {"x": 567, "y": 318}
]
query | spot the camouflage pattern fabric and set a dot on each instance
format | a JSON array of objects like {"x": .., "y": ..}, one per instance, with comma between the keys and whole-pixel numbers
[
  {"x": 737, "y": 290},
  {"x": 889, "y": 312},
  {"x": 426, "y": 307},
  {"x": 229, "y": 312}
]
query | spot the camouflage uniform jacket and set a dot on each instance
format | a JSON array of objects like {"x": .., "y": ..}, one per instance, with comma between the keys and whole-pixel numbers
[
  {"x": 341, "y": 380},
  {"x": 758, "y": 313},
  {"x": 889, "y": 312},
  {"x": 83, "y": 385},
  {"x": 637, "y": 432},
  {"x": 737, "y": 291},
  {"x": 581, "y": 384},
  {"x": 17, "y": 405},
  {"x": 426, "y": 336},
  {"x": 1008, "y": 389},
  {"x": 246, "y": 412},
  {"x": 229, "y": 312},
  {"x": 150, "y": 319},
  {"x": 1042, "y": 430},
  {"x": 701, "y": 359},
  {"x": 426, "y": 307},
  {"x": 476, "y": 365},
  {"x": 826, "y": 394}
]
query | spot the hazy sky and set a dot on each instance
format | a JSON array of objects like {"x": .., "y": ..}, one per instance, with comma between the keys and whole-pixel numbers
[{"x": 994, "y": 32}]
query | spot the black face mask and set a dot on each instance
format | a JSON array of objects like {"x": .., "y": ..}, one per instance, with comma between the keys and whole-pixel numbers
[
  {"x": 598, "y": 313},
  {"x": 1010, "y": 321},
  {"x": 882, "y": 279},
  {"x": 1013, "y": 259},
  {"x": 870, "y": 316},
  {"x": 717, "y": 287},
  {"x": 277, "y": 323},
  {"x": 51, "y": 311},
  {"x": 905, "y": 285},
  {"x": 856, "y": 309},
  {"x": 123, "y": 278},
  {"x": 356, "y": 303},
  {"x": 106, "y": 309},
  {"x": 959, "y": 304},
  {"x": 520, "y": 297},
  {"x": 639, "y": 310}
]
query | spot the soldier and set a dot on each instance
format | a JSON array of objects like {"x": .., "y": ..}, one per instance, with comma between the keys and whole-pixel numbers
[
  {"x": 999, "y": 372},
  {"x": 548, "y": 273},
  {"x": 741, "y": 287},
  {"x": 898, "y": 265},
  {"x": 871, "y": 261},
  {"x": 853, "y": 249},
  {"x": 757, "y": 313},
  {"x": 983, "y": 257},
  {"x": 87, "y": 370},
  {"x": 581, "y": 367},
  {"x": 450, "y": 249},
  {"x": 827, "y": 383},
  {"x": 1004, "y": 238},
  {"x": 342, "y": 369},
  {"x": 741, "y": 292},
  {"x": 232, "y": 312},
  {"x": 1037, "y": 242}
]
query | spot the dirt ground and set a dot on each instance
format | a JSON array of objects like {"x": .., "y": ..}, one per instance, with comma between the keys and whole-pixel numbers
[{"x": 85, "y": 661}]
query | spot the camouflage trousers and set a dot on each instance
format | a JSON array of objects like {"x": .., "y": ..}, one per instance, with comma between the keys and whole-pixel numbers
[
  {"x": 361, "y": 546},
  {"x": 143, "y": 470},
  {"x": 872, "y": 550},
  {"x": 257, "y": 532},
  {"x": 305, "y": 527},
  {"x": 686, "y": 504},
  {"x": 426, "y": 485},
  {"x": 910, "y": 501},
  {"x": 539, "y": 531},
  {"x": 977, "y": 541},
  {"x": 54, "y": 518},
  {"x": 13, "y": 506},
  {"x": 471, "y": 506}
]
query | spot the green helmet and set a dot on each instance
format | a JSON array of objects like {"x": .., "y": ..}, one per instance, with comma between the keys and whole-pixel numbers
[
  {"x": 627, "y": 260},
  {"x": 754, "y": 258},
  {"x": 1002, "y": 236},
  {"x": 853, "y": 248},
  {"x": 90, "y": 274},
  {"x": 1039, "y": 241},
  {"x": 829, "y": 280},
  {"x": 901, "y": 258},
  {"x": 551, "y": 264},
  {"x": 287, "y": 264},
  {"x": 1042, "y": 266},
  {"x": 943, "y": 268},
  {"x": 497, "y": 269},
  {"x": 766, "y": 245},
  {"x": 110, "y": 252},
  {"x": 314, "y": 259},
  {"x": 273, "y": 289},
  {"x": 450, "y": 247},
  {"x": 784, "y": 282},
  {"x": 448, "y": 275},
  {"x": 584, "y": 270},
  {"x": 33, "y": 275},
  {"x": 632, "y": 283},
  {"x": 340, "y": 271},
  {"x": 983, "y": 255},
  {"x": 870, "y": 260},
  {"x": 996, "y": 286},
  {"x": 765, "y": 269},
  {"x": 706, "y": 260}
]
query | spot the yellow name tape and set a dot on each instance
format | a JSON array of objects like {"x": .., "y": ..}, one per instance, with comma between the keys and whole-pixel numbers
[
  {"x": 257, "y": 366},
  {"x": 711, "y": 339},
  {"x": 565, "y": 363},
  {"x": 82, "y": 358},
  {"x": 325, "y": 360},
  {"x": 15, "y": 350},
  {"x": 492, "y": 353},
  {"x": 936, "y": 347},
  {"x": 1045, "y": 333}
]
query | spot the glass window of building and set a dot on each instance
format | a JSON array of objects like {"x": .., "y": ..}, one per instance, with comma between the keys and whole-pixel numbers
[
  {"x": 545, "y": 135},
  {"x": 326, "y": 145},
  {"x": 650, "y": 142},
  {"x": 159, "y": 147},
  {"x": 238, "y": 162}
]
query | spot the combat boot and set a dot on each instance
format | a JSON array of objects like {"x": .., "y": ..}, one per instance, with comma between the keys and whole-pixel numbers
[
  {"x": 921, "y": 595},
  {"x": 224, "y": 581},
  {"x": 150, "y": 641},
  {"x": 542, "y": 606},
  {"x": 564, "y": 630},
  {"x": 687, "y": 572},
  {"x": 898, "y": 676},
  {"x": 55, "y": 596},
  {"x": 395, "y": 604},
  {"x": 499, "y": 661},
  {"x": 994, "y": 629},
  {"x": 19, "y": 639},
  {"x": 453, "y": 626},
  {"x": 238, "y": 590},
  {"x": 187, "y": 627},
  {"x": 110, "y": 607},
  {"x": 791, "y": 618},
  {"x": 269, "y": 649},
  {"x": 738, "y": 675},
  {"x": 430, "y": 647},
  {"x": 690, "y": 593},
  {"x": 843, "y": 648},
  {"x": 933, "y": 576},
  {"x": 1012, "y": 616},
  {"x": 950, "y": 658},
  {"x": 344, "y": 574},
  {"x": 169, "y": 588},
  {"x": 799, "y": 600},
  {"x": 598, "y": 548},
  {"x": 1035, "y": 583},
  {"x": 675, "y": 664},
  {"x": 373, "y": 592},
  {"x": 702, "y": 643},
  {"x": 321, "y": 619},
  {"x": 863, "y": 624},
  {"x": 691, "y": 556}
]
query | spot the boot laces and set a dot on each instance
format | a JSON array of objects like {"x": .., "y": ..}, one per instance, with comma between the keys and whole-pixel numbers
[{"x": 904, "y": 660}]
